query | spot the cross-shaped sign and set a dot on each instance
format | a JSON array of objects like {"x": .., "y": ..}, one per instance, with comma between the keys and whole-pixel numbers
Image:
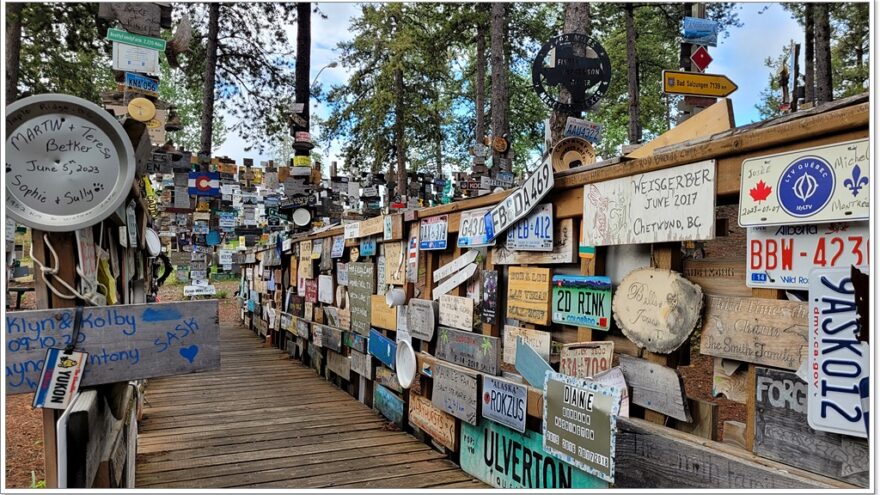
[{"x": 701, "y": 58}]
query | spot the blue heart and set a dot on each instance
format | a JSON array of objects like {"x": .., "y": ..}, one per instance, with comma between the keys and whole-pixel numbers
[{"x": 189, "y": 352}]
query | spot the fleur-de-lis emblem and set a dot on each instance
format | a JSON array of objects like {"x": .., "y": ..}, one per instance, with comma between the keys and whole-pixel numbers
[
  {"x": 856, "y": 182},
  {"x": 805, "y": 187}
]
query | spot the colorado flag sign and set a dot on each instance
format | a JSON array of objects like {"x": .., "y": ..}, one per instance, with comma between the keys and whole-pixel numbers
[{"x": 204, "y": 183}]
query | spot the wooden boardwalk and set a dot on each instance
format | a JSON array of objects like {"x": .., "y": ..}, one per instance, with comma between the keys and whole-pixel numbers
[{"x": 263, "y": 421}]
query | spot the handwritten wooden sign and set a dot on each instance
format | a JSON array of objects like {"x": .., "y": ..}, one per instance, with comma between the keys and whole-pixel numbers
[
  {"x": 361, "y": 286},
  {"x": 456, "y": 393},
  {"x": 383, "y": 348},
  {"x": 372, "y": 226},
  {"x": 528, "y": 294},
  {"x": 123, "y": 343},
  {"x": 580, "y": 423},
  {"x": 381, "y": 316},
  {"x": 457, "y": 312},
  {"x": 389, "y": 404},
  {"x": 783, "y": 434},
  {"x": 312, "y": 291},
  {"x": 585, "y": 359},
  {"x": 342, "y": 273},
  {"x": 339, "y": 364},
  {"x": 726, "y": 277},
  {"x": 317, "y": 335},
  {"x": 332, "y": 337},
  {"x": 761, "y": 331},
  {"x": 422, "y": 318},
  {"x": 305, "y": 265},
  {"x": 475, "y": 351},
  {"x": 436, "y": 423},
  {"x": 657, "y": 309},
  {"x": 395, "y": 263},
  {"x": 454, "y": 281},
  {"x": 674, "y": 204},
  {"x": 582, "y": 301},
  {"x": 525, "y": 464},
  {"x": 455, "y": 265},
  {"x": 530, "y": 365},
  {"x": 564, "y": 248},
  {"x": 656, "y": 387},
  {"x": 361, "y": 364},
  {"x": 387, "y": 379},
  {"x": 286, "y": 322},
  {"x": 538, "y": 340}
]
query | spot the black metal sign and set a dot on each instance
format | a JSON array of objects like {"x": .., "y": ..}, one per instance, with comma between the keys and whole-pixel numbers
[{"x": 575, "y": 62}]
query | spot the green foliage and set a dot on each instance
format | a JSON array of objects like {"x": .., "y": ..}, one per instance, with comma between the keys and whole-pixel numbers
[
  {"x": 771, "y": 97},
  {"x": 187, "y": 99}
]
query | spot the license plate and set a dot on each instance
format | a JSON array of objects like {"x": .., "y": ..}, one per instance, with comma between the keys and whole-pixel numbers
[
  {"x": 472, "y": 229},
  {"x": 839, "y": 363},
  {"x": 533, "y": 233},
  {"x": 782, "y": 257},
  {"x": 519, "y": 203},
  {"x": 432, "y": 233},
  {"x": 582, "y": 301}
]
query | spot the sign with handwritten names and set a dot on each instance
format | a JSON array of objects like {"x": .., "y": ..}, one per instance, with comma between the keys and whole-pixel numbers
[
  {"x": 528, "y": 294},
  {"x": 456, "y": 393},
  {"x": 457, "y": 312}
]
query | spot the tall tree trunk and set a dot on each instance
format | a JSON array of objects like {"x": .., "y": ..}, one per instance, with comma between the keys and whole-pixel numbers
[
  {"x": 480, "y": 83},
  {"x": 684, "y": 52},
  {"x": 576, "y": 19},
  {"x": 809, "y": 55},
  {"x": 13, "y": 49},
  {"x": 500, "y": 92},
  {"x": 399, "y": 132},
  {"x": 632, "y": 75},
  {"x": 210, "y": 77},
  {"x": 303, "y": 61},
  {"x": 824, "y": 87}
]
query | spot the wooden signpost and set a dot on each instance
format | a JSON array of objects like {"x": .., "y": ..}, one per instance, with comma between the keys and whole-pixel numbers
[
  {"x": 422, "y": 318},
  {"x": 361, "y": 286},
  {"x": 395, "y": 263},
  {"x": 457, "y": 312},
  {"x": 456, "y": 393},
  {"x": 564, "y": 248},
  {"x": 782, "y": 432},
  {"x": 475, "y": 351},
  {"x": 455, "y": 265},
  {"x": 657, "y": 309},
  {"x": 761, "y": 331},
  {"x": 381, "y": 316},
  {"x": 582, "y": 301},
  {"x": 536, "y": 339},
  {"x": 656, "y": 387},
  {"x": 454, "y": 281},
  {"x": 585, "y": 359},
  {"x": 390, "y": 405},
  {"x": 674, "y": 204},
  {"x": 528, "y": 294},
  {"x": 128, "y": 342},
  {"x": 436, "y": 423}
]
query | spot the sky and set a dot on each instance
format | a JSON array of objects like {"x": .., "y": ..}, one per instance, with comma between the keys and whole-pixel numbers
[{"x": 740, "y": 56}]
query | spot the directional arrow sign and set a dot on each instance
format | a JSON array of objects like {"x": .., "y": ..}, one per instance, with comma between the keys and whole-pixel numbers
[{"x": 695, "y": 84}]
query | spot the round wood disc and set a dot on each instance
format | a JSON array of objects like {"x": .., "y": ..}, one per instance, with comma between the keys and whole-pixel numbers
[
  {"x": 572, "y": 152},
  {"x": 141, "y": 109},
  {"x": 499, "y": 144},
  {"x": 657, "y": 309}
]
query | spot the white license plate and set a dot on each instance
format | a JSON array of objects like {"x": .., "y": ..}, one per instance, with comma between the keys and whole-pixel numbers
[
  {"x": 521, "y": 201},
  {"x": 782, "y": 257},
  {"x": 839, "y": 364},
  {"x": 432, "y": 233},
  {"x": 534, "y": 232},
  {"x": 472, "y": 229}
]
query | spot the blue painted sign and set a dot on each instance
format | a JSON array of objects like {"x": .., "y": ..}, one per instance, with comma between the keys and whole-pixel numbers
[
  {"x": 504, "y": 458},
  {"x": 383, "y": 348},
  {"x": 213, "y": 238},
  {"x": 355, "y": 341},
  {"x": 698, "y": 31},
  {"x": 530, "y": 365},
  {"x": 368, "y": 246},
  {"x": 433, "y": 232},
  {"x": 389, "y": 404},
  {"x": 142, "y": 84}
]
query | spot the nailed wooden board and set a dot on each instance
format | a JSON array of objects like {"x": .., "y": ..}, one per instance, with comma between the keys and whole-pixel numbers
[
  {"x": 395, "y": 263},
  {"x": 436, "y": 423},
  {"x": 783, "y": 434},
  {"x": 381, "y": 316},
  {"x": 361, "y": 364},
  {"x": 455, "y": 392},
  {"x": 657, "y": 309},
  {"x": 649, "y": 455},
  {"x": 733, "y": 386},
  {"x": 361, "y": 286},
  {"x": 564, "y": 249},
  {"x": 475, "y": 351},
  {"x": 457, "y": 312},
  {"x": 123, "y": 342},
  {"x": 339, "y": 364},
  {"x": 712, "y": 120},
  {"x": 724, "y": 277},
  {"x": 761, "y": 331},
  {"x": 387, "y": 379},
  {"x": 421, "y": 316},
  {"x": 528, "y": 294},
  {"x": 656, "y": 387},
  {"x": 389, "y": 404},
  {"x": 536, "y": 339}
]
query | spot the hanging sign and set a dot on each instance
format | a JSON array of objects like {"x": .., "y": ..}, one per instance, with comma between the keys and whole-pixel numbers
[
  {"x": 471, "y": 350},
  {"x": 472, "y": 229},
  {"x": 582, "y": 301},
  {"x": 520, "y": 202},
  {"x": 504, "y": 402},
  {"x": 580, "y": 423},
  {"x": 674, "y": 204},
  {"x": 433, "y": 233},
  {"x": 436, "y": 423},
  {"x": 839, "y": 363},
  {"x": 60, "y": 378},
  {"x": 563, "y": 62},
  {"x": 533, "y": 233},
  {"x": 134, "y": 58},
  {"x": 782, "y": 257},
  {"x": 814, "y": 185}
]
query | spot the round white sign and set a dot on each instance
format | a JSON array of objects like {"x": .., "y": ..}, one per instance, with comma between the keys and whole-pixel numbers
[{"x": 69, "y": 164}]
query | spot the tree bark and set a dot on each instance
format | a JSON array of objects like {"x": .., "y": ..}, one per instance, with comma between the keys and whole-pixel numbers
[
  {"x": 399, "y": 132},
  {"x": 576, "y": 19},
  {"x": 684, "y": 53},
  {"x": 13, "y": 49},
  {"x": 210, "y": 77},
  {"x": 303, "y": 63},
  {"x": 500, "y": 92},
  {"x": 480, "y": 79},
  {"x": 809, "y": 55},
  {"x": 824, "y": 87},
  {"x": 632, "y": 75}
]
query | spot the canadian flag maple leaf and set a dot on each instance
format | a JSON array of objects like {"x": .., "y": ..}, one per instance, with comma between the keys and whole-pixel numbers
[{"x": 760, "y": 191}]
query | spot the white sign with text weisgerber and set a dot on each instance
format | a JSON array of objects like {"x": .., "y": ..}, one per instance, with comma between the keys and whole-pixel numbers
[{"x": 676, "y": 204}]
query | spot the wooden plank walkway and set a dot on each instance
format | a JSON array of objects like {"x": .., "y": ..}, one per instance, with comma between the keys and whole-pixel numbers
[{"x": 262, "y": 421}]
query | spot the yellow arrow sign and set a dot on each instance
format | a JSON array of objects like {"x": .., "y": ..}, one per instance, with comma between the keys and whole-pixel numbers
[{"x": 697, "y": 84}]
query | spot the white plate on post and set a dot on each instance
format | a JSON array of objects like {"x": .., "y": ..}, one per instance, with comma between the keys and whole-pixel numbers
[
  {"x": 154, "y": 244},
  {"x": 405, "y": 364},
  {"x": 301, "y": 217}
]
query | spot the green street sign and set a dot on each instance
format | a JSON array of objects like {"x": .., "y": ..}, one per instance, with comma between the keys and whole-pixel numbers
[{"x": 135, "y": 39}]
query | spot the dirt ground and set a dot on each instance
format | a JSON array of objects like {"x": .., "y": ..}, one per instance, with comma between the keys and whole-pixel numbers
[{"x": 24, "y": 425}]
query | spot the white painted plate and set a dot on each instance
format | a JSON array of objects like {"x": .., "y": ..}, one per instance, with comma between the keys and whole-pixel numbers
[
  {"x": 301, "y": 217},
  {"x": 405, "y": 364},
  {"x": 154, "y": 245}
]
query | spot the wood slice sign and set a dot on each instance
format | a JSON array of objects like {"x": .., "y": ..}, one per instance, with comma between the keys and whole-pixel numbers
[{"x": 657, "y": 309}]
